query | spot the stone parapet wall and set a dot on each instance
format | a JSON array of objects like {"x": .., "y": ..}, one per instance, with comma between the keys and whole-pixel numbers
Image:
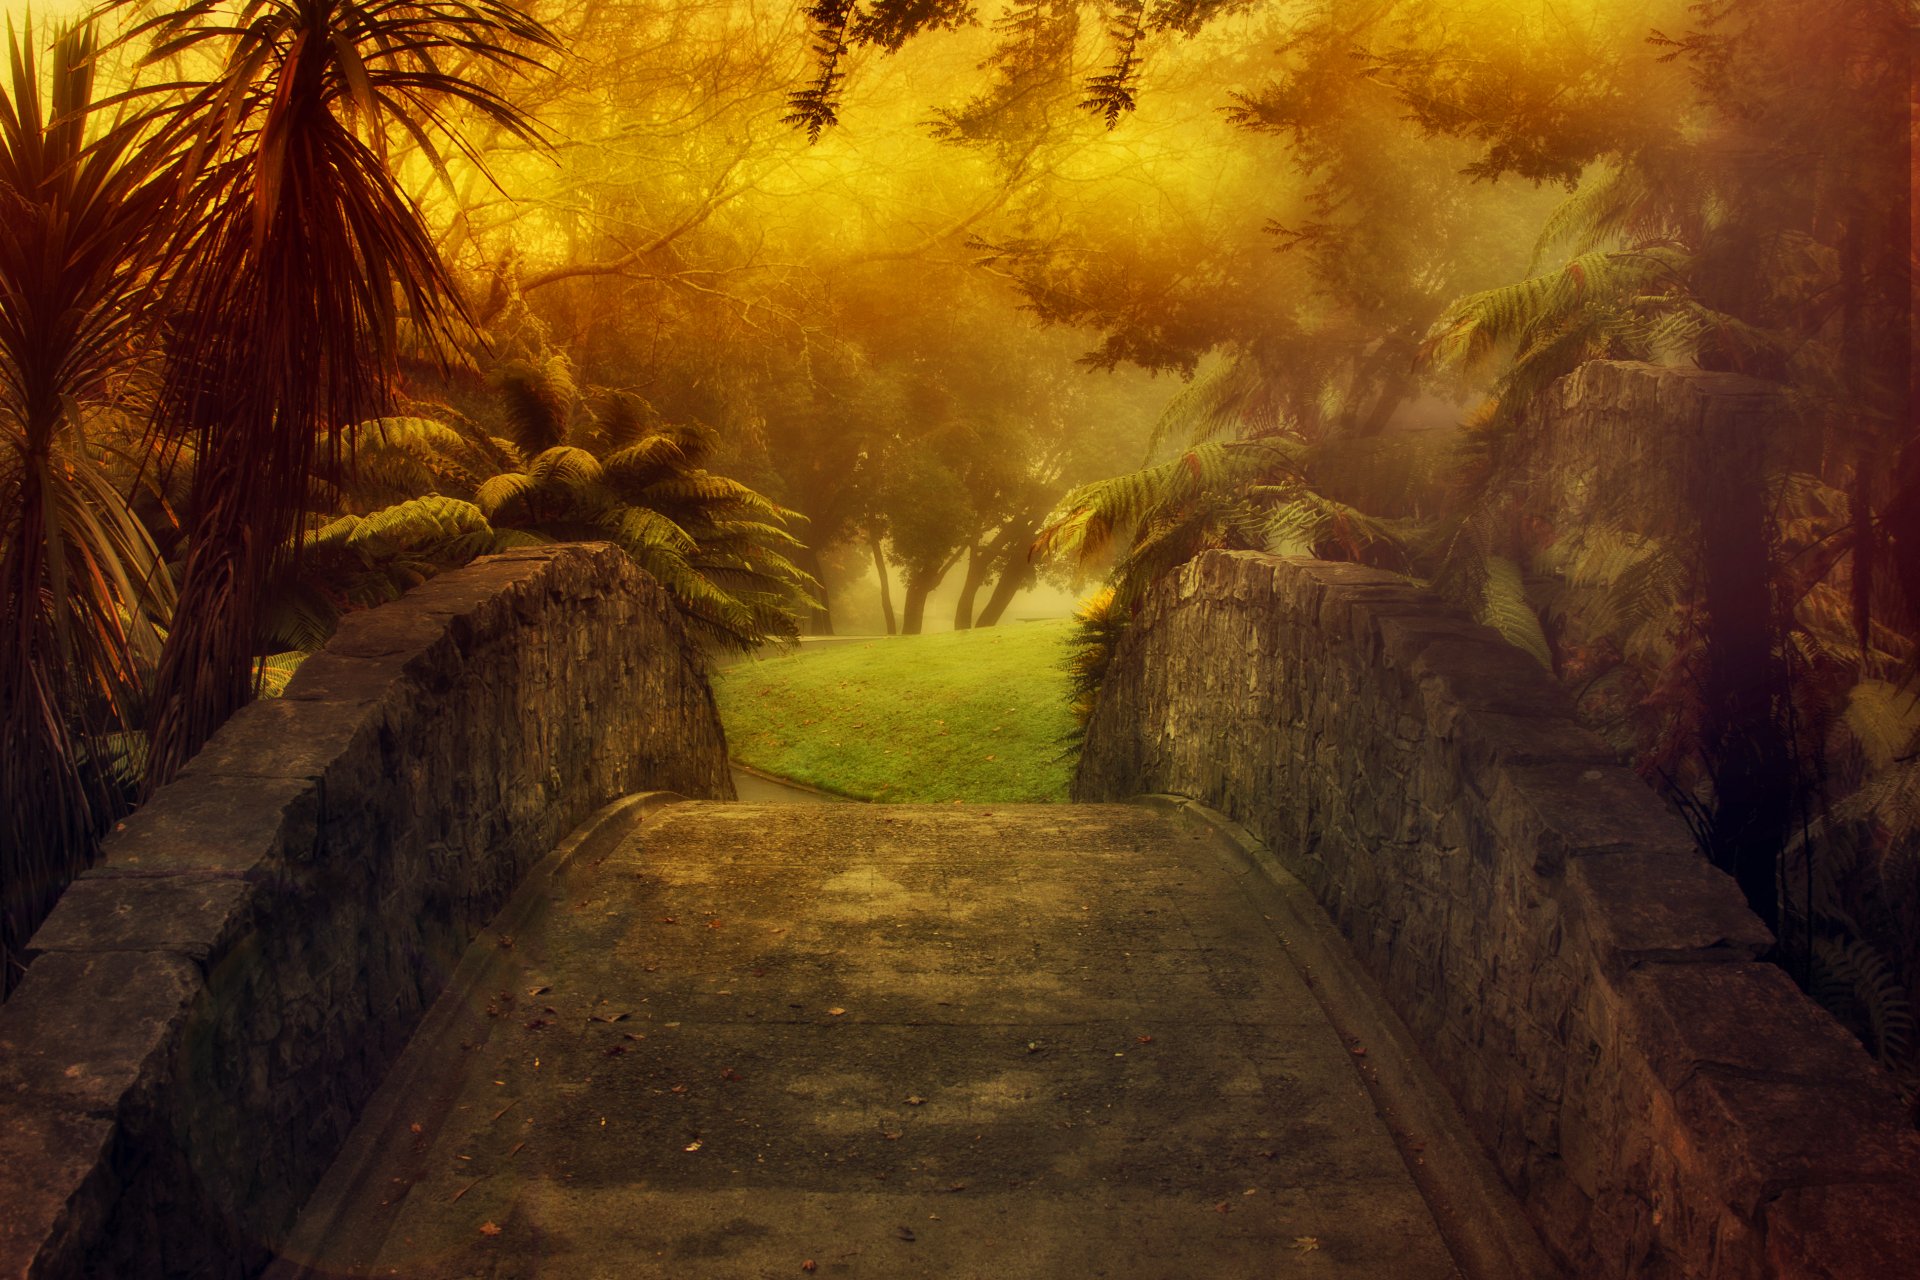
[
  {"x": 1638, "y": 447},
  {"x": 1585, "y": 985},
  {"x": 208, "y": 1010}
]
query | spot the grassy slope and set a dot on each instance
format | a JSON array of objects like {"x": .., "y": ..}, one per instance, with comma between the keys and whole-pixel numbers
[{"x": 964, "y": 715}]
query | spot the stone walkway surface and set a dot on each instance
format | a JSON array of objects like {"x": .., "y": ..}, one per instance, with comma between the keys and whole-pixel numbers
[{"x": 884, "y": 1041}]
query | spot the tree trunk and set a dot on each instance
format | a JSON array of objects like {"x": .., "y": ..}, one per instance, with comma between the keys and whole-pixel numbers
[
  {"x": 819, "y": 619},
  {"x": 886, "y": 588},
  {"x": 1744, "y": 686},
  {"x": 979, "y": 565},
  {"x": 919, "y": 586},
  {"x": 1011, "y": 552},
  {"x": 1015, "y": 578},
  {"x": 914, "y": 609}
]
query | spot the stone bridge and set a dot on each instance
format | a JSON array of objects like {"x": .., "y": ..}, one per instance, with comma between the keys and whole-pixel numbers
[{"x": 427, "y": 969}]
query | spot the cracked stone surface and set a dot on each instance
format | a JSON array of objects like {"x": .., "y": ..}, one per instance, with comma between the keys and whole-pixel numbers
[{"x": 889, "y": 1041}]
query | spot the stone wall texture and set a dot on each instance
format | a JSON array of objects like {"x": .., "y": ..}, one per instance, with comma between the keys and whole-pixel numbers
[
  {"x": 208, "y": 1010},
  {"x": 1585, "y": 985},
  {"x": 1637, "y": 446}
]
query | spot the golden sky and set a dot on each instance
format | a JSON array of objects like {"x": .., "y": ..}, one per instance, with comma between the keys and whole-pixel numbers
[{"x": 18, "y": 9}]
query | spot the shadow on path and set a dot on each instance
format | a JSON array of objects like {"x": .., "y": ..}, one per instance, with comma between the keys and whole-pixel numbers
[{"x": 1010, "y": 1042}]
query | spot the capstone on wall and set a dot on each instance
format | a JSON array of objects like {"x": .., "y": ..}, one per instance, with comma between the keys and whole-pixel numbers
[
  {"x": 208, "y": 1009},
  {"x": 1583, "y": 982}
]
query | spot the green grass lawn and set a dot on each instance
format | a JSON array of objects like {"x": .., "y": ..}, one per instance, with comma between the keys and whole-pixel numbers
[{"x": 963, "y": 715}]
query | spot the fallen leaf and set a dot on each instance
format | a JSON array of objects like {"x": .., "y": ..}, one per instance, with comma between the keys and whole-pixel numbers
[
  {"x": 692, "y": 1146},
  {"x": 809, "y": 1265},
  {"x": 891, "y": 1135},
  {"x": 905, "y": 1233},
  {"x": 731, "y": 1074},
  {"x": 956, "y": 1186},
  {"x": 668, "y": 920},
  {"x": 1143, "y": 1039},
  {"x": 538, "y": 991},
  {"x": 713, "y": 924},
  {"x": 1223, "y": 1207},
  {"x": 835, "y": 1012},
  {"x": 1359, "y": 1051},
  {"x": 416, "y": 1127},
  {"x": 608, "y": 1017},
  {"x": 679, "y": 1088},
  {"x": 916, "y": 1101},
  {"x": 1306, "y": 1244},
  {"x": 489, "y": 1228}
]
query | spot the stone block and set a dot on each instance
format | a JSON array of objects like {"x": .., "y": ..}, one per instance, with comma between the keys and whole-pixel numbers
[
  {"x": 1686, "y": 1016},
  {"x": 1669, "y": 905},
  {"x": 1404, "y": 636},
  {"x": 60, "y": 1188},
  {"x": 1547, "y": 813},
  {"x": 1478, "y": 740},
  {"x": 209, "y": 822},
  {"x": 1744, "y": 1140},
  {"x": 193, "y": 915},
  {"x": 284, "y": 738},
  {"x": 339, "y": 677},
  {"x": 89, "y": 1032},
  {"x": 386, "y": 633},
  {"x": 1855, "y": 1231},
  {"x": 1479, "y": 676}
]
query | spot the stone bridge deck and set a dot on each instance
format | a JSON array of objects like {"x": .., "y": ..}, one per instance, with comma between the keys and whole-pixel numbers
[{"x": 881, "y": 1041}]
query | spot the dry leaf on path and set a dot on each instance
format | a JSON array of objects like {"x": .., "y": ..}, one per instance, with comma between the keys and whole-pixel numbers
[{"x": 489, "y": 1228}]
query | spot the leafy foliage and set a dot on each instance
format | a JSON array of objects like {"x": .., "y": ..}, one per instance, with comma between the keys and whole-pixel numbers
[
  {"x": 1098, "y": 627},
  {"x": 298, "y": 251},
  {"x": 84, "y": 596},
  {"x": 572, "y": 466}
]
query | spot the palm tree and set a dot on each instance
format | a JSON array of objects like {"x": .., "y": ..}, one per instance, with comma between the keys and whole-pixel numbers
[
  {"x": 83, "y": 592},
  {"x": 300, "y": 251}
]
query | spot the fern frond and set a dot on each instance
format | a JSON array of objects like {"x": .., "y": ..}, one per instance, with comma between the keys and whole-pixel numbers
[
  {"x": 537, "y": 400},
  {"x": 1885, "y": 719},
  {"x": 1854, "y": 980},
  {"x": 566, "y": 470},
  {"x": 1230, "y": 395},
  {"x": 1504, "y": 607},
  {"x": 503, "y": 499}
]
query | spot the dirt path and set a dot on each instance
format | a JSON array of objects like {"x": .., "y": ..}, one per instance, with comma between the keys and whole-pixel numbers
[{"x": 886, "y": 1041}]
